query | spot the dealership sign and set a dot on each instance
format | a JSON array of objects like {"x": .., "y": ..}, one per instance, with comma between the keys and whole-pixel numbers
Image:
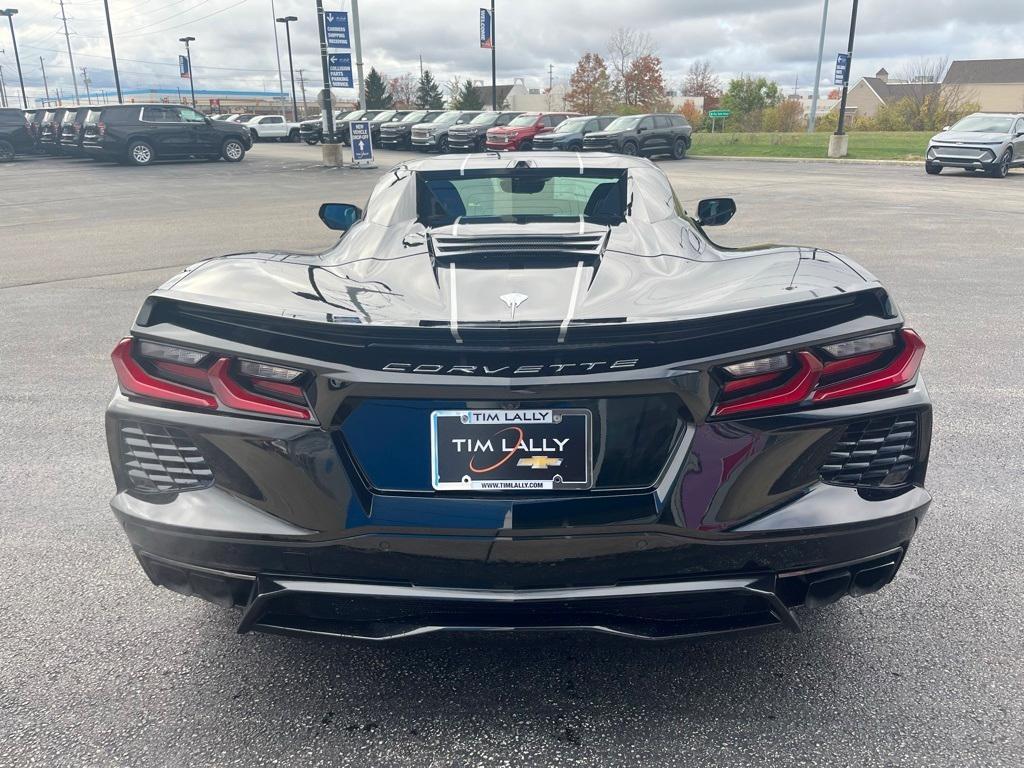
[
  {"x": 486, "y": 29},
  {"x": 336, "y": 29},
  {"x": 361, "y": 141},
  {"x": 842, "y": 76},
  {"x": 339, "y": 66},
  {"x": 183, "y": 67}
]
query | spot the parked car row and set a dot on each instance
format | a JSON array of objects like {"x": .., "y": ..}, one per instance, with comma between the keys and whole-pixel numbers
[
  {"x": 476, "y": 131},
  {"x": 135, "y": 134}
]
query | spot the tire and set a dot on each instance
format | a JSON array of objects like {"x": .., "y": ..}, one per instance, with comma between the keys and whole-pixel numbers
[
  {"x": 932, "y": 170},
  {"x": 630, "y": 148},
  {"x": 1002, "y": 169},
  {"x": 312, "y": 142},
  {"x": 442, "y": 145},
  {"x": 526, "y": 146},
  {"x": 6, "y": 151},
  {"x": 293, "y": 135},
  {"x": 255, "y": 136},
  {"x": 140, "y": 153},
  {"x": 233, "y": 150},
  {"x": 575, "y": 147},
  {"x": 679, "y": 149}
]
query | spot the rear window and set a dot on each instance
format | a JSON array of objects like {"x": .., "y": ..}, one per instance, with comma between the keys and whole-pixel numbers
[
  {"x": 92, "y": 116},
  {"x": 519, "y": 195}
]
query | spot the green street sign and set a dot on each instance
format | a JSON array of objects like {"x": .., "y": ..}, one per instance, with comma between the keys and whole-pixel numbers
[{"x": 719, "y": 113}]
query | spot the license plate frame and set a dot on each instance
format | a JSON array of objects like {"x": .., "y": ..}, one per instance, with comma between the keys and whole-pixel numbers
[{"x": 537, "y": 435}]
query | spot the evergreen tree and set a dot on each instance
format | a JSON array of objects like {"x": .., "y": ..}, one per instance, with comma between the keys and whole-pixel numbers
[
  {"x": 468, "y": 97},
  {"x": 377, "y": 96},
  {"x": 428, "y": 92}
]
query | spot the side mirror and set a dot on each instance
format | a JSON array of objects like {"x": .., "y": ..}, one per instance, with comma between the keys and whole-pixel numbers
[
  {"x": 715, "y": 211},
  {"x": 340, "y": 216},
  {"x": 945, "y": 127}
]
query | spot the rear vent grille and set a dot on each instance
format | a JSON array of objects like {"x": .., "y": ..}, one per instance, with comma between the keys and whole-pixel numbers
[
  {"x": 874, "y": 453},
  {"x": 586, "y": 245},
  {"x": 160, "y": 459}
]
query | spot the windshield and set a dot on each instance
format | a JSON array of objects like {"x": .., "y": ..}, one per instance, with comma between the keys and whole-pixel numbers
[
  {"x": 484, "y": 117},
  {"x": 524, "y": 194},
  {"x": 624, "y": 123},
  {"x": 528, "y": 119},
  {"x": 355, "y": 115},
  {"x": 415, "y": 117},
  {"x": 447, "y": 118},
  {"x": 383, "y": 117},
  {"x": 984, "y": 124},
  {"x": 572, "y": 125}
]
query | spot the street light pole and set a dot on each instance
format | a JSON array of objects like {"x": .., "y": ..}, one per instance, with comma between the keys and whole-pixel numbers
[
  {"x": 3, "y": 86},
  {"x": 9, "y": 13},
  {"x": 277, "y": 52},
  {"x": 357, "y": 39},
  {"x": 113, "y": 56},
  {"x": 817, "y": 71},
  {"x": 849, "y": 66},
  {"x": 287, "y": 20},
  {"x": 191, "y": 74},
  {"x": 494, "y": 61}
]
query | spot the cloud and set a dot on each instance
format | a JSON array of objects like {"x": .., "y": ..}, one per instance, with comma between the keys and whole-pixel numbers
[{"x": 234, "y": 46}]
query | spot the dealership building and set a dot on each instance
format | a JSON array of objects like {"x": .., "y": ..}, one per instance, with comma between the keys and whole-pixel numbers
[{"x": 259, "y": 102}]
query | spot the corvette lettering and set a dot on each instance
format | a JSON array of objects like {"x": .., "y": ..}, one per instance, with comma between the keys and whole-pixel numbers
[{"x": 508, "y": 370}]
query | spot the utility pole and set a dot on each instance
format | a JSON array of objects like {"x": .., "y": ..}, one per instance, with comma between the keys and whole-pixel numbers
[
  {"x": 839, "y": 142},
  {"x": 421, "y": 66},
  {"x": 277, "y": 52},
  {"x": 817, "y": 70},
  {"x": 67, "y": 39},
  {"x": 287, "y": 21},
  {"x": 3, "y": 85},
  {"x": 356, "y": 38},
  {"x": 302, "y": 87},
  {"x": 113, "y": 56},
  {"x": 551, "y": 76},
  {"x": 86, "y": 81},
  {"x": 330, "y": 149},
  {"x": 46, "y": 87},
  {"x": 9, "y": 13},
  {"x": 494, "y": 60},
  {"x": 191, "y": 74}
]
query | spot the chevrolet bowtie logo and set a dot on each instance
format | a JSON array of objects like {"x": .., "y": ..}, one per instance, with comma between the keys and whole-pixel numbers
[{"x": 540, "y": 462}]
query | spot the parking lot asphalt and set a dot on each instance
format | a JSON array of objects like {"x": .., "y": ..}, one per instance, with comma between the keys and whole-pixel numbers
[{"x": 98, "y": 667}]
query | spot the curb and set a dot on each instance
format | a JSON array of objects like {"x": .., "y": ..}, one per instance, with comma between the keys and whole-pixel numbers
[{"x": 836, "y": 160}]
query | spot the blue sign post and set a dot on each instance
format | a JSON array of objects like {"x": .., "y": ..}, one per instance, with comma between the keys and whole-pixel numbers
[
  {"x": 339, "y": 66},
  {"x": 336, "y": 26},
  {"x": 362, "y": 144},
  {"x": 842, "y": 76},
  {"x": 486, "y": 35}
]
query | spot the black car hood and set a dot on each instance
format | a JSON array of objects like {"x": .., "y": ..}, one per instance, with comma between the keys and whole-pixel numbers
[{"x": 397, "y": 277}]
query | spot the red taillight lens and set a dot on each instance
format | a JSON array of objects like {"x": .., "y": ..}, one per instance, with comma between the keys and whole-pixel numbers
[
  {"x": 135, "y": 379},
  {"x": 179, "y": 375},
  {"x": 890, "y": 362},
  {"x": 101, "y": 129}
]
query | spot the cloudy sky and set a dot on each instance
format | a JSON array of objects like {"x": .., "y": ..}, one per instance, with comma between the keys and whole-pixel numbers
[{"x": 234, "y": 48}]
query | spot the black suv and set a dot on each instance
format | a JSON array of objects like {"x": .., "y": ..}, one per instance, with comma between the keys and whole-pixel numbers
[
  {"x": 569, "y": 134},
  {"x": 648, "y": 135},
  {"x": 48, "y": 138},
  {"x": 341, "y": 127},
  {"x": 312, "y": 131},
  {"x": 398, "y": 135},
  {"x": 70, "y": 138},
  {"x": 141, "y": 133},
  {"x": 472, "y": 136},
  {"x": 15, "y": 138}
]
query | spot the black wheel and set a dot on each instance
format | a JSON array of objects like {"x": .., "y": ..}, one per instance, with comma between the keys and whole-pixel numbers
[
  {"x": 442, "y": 145},
  {"x": 6, "y": 151},
  {"x": 293, "y": 136},
  {"x": 932, "y": 170},
  {"x": 233, "y": 150},
  {"x": 140, "y": 153},
  {"x": 1001, "y": 170},
  {"x": 576, "y": 146},
  {"x": 312, "y": 142},
  {"x": 630, "y": 148},
  {"x": 679, "y": 149},
  {"x": 255, "y": 136},
  {"x": 526, "y": 146}
]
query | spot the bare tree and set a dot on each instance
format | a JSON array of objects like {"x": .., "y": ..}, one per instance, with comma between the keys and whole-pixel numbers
[
  {"x": 701, "y": 80},
  {"x": 935, "y": 103},
  {"x": 453, "y": 88},
  {"x": 403, "y": 90},
  {"x": 625, "y": 46}
]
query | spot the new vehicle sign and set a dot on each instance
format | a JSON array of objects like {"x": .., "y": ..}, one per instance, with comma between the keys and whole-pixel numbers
[
  {"x": 522, "y": 450},
  {"x": 362, "y": 143}
]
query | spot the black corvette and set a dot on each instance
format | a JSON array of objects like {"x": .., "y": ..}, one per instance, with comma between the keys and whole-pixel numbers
[{"x": 521, "y": 392}]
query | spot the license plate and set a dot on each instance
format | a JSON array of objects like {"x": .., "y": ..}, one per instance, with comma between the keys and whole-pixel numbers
[{"x": 544, "y": 449}]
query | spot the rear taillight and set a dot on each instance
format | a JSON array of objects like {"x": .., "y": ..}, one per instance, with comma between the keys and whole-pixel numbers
[
  {"x": 196, "y": 378},
  {"x": 101, "y": 129},
  {"x": 848, "y": 369}
]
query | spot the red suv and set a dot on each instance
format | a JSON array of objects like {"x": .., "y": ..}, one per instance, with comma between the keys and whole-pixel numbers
[{"x": 519, "y": 133}]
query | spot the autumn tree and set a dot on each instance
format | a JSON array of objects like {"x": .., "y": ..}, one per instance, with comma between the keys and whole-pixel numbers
[
  {"x": 402, "y": 90},
  {"x": 644, "y": 84},
  {"x": 747, "y": 98},
  {"x": 377, "y": 96},
  {"x": 785, "y": 117},
  {"x": 701, "y": 80},
  {"x": 428, "y": 92},
  {"x": 467, "y": 97},
  {"x": 693, "y": 115},
  {"x": 590, "y": 88},
  {"x": 625, "y": 46}
]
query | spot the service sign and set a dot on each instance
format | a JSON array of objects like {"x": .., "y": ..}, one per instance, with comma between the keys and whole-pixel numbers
[
  {"x": 543, "y": 449},
  {"x": 339, "y": 67},
  {"x": 486, "y": 29},
  {"x": 842, "y": 76},
  {"x": 336, "y": 29}
]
